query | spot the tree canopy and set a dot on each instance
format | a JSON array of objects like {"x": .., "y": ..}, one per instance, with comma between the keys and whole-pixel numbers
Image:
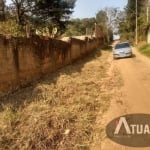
[
  {"x": 57, "y": 11},
  {"x": 51, "y": 13}
]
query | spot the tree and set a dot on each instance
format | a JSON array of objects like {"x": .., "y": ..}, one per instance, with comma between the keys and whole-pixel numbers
[
  {"x": 108, "y": 20},
  {"x": 78, "y": 27},
  {"x": 21, "y": 10},
  {"x": 42, "y": 13},
  {"x": 57, "y": 11},
  {"x": 101, "y": 20},
  {"x": 2, "y": 10},
  {"x": 128, "y": 26}
]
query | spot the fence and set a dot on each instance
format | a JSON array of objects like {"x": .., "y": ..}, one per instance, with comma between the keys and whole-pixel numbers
[{"x": 25, "y": 59}]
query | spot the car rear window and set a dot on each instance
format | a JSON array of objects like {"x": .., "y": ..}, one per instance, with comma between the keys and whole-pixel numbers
[{"x": 122, "y": 45}]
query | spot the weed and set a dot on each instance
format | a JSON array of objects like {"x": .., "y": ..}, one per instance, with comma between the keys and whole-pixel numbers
[{"x": 145, "y": 49}]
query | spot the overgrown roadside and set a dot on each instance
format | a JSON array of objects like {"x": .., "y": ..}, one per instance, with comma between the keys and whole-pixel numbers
[
  {"x": 145, "y": 49},
  {"x": 60, "y": 111}
]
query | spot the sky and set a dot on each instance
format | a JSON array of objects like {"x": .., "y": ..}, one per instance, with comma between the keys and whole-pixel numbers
[
  {"x": 8, "y": 1},
  {"x": 89, "y": 8}
]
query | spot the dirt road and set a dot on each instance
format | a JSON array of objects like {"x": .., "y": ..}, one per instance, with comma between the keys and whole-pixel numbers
[{"x": 134, "y": 95}]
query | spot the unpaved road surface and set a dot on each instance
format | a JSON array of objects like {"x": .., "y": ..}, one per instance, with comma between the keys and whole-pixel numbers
[{"x": 134, "y": 95}]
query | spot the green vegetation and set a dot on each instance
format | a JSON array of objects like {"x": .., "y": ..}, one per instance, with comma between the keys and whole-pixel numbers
[
  {"x": 128, "y": 23},
  {"x": 26, "y": 16},
  {"x": 102, "y": 25},
  {"x": 78, "y": 27},
  {"x": 52, "y": 18},
  {"x": 145, "y": 49},
  {"x": 10, "y": 27}
]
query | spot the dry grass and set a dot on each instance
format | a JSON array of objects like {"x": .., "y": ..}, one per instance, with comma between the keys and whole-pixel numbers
[{"x": 58, "y": 113}]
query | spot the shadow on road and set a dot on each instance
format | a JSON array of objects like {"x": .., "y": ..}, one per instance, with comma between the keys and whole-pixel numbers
[{"x": 133, "y": 56}]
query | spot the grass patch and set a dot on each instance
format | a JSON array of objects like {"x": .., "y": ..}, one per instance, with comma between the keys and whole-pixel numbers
[
  {"x": 62, "y": 113},
  {"x": 10, "y": 115},
  {"x": 145, "y": 49},
  {"x": 42, "y": 125}
]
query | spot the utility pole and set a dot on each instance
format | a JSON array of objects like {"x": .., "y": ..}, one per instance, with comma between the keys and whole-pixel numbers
[
  {"x": 136, "y": 32},
  {"x": 147, "y": 14},
  {"x": 148, "y": 4},
  {"x": 2, "y": 10}
]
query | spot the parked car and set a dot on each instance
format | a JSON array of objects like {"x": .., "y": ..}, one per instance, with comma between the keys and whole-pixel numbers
[{"x": 122, "y": 50}]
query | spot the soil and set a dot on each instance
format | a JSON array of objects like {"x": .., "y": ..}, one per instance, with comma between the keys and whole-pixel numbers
[{"x": 132, "y": 97}]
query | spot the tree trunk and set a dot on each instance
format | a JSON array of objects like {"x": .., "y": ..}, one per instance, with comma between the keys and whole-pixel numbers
[{"x": 2, "y": 10}]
